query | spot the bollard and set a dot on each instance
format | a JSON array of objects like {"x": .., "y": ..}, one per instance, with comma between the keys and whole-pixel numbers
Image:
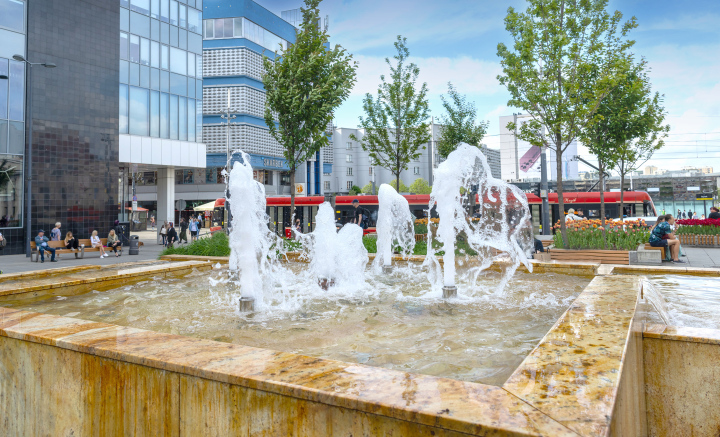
[
  {"x": 449, "y": 291},
  {"x": 247, "y": 304}
]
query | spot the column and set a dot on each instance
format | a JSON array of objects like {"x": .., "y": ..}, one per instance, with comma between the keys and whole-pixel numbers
[{"x": 165, "y": 195}]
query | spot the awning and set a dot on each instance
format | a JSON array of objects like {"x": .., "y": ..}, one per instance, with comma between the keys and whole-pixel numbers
[{"x": 205, "y": 207}]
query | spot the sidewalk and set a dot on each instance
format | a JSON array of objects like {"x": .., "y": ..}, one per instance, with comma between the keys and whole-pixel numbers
[{"x": 701, "y": 257}]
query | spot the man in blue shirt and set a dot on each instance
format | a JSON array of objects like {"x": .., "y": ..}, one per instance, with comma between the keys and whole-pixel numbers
[
  {"x": 193, "y": 229},
  {"x": 662, "y": 236},
  {"x": 41, "y": 241}
]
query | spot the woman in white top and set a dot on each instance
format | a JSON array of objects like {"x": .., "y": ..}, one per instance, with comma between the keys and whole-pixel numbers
[
  {"x": 97, "y": 242},
  {"x": 163, "y": 233}
]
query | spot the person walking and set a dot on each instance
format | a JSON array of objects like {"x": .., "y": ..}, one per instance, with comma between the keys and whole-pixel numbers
[
  {"x": 152, "y": 222},
  {"x": 113, "y": 242},
  {"x": 41, "y": 242},
  {"x": 96, "y": 242},
  {"x": 361, "y": 215},
  {"x": 71, "y": 243},
  {"x": 172, "y": 235},
  {"x": 183, "y": 230},
  {"x": 55, "y": 233},
  {"x": 194, "y": 229},
  {"x": 163, "y": 233}
]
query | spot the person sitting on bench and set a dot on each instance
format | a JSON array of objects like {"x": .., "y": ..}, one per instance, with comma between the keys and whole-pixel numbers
[
  {"x": 97, "y": 242},
  {"x": 41, "y": 241},
  {"x": 664, "y": 229},
  {"x": 71, "y": 242},
  {"x": 113, "y": 241}
]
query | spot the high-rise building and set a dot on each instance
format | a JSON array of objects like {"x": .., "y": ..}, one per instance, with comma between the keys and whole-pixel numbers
[{"x": 520, "y": 161}]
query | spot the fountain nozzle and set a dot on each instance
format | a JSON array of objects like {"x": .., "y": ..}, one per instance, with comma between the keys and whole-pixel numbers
[
  {"x": 387, "y": 269},
  {"x": 449, "y": 291},
  {"x": 247, "y": 304}
]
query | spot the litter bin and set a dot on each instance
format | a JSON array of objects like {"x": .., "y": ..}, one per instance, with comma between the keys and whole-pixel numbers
[{"x": 134, "y": 245}]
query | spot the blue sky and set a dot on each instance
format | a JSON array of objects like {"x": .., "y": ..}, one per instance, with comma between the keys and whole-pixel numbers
[{"x": 453, "y": 40}]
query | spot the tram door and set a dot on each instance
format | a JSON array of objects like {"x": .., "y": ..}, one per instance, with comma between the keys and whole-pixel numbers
[
  {"x": 272, "y": 222},
  {"x": 536, "y": 219}
]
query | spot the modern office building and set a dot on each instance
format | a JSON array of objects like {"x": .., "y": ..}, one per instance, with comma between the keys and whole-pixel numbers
[{"x": 520, "y": 161}]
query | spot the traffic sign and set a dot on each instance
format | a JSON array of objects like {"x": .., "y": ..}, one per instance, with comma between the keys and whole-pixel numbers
[
  {"x": 134, "y": 198},
  {"x": 134, "y": 205},
  {"x": 704, "y": 196}
]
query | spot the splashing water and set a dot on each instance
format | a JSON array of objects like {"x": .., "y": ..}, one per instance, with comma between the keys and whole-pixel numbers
[
  {"x": 394, "y": 226},
  {"x": 504, "y": 224},
  {"x": 336, "y": 257},
  {"x": 251, "y": 239},
  {"x": 656, "y": 300}
]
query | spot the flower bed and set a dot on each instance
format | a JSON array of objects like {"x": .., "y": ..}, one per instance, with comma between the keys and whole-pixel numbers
[
  {"x": 588, "y": 234},
  {"x": 705, "y": 232}
]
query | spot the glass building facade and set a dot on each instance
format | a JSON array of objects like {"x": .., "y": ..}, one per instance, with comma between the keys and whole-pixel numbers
[
  {"x": 12, "y": 113},
  {"x": 161, "y": 69}
]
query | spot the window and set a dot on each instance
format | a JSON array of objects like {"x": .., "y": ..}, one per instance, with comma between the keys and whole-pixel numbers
[
  {"x": 194, "y": 20},
  {"x": 191, "y": 120},
  {"x": 165, "y": 57},
  {"x": 12, "y": 15},
  {"x": 183, "y": 16},
  {"x": 349, "y": 185},
  {"x": 142, "y": 6},
  {"x": 416, "y": 170},
  {"x": 164, "y": 115},
  {"x": 284, "y": 179},
  {"x": 134, "y": 48},
  {"x": 219, "y": 28},
  {"x": 155, "y": 8},
  {"x": 191, "y": 65},
  {"x": 349, "y": 146},
  {"x": 173, "y": 12},
  {"x": 144, "y": 51},
  {"x": 138, "y": 111},
  {"x": 178, "y": 61},
  {"x": 154, "y": 114},
  {"x": 173, "y": 117},
  {"x": 182, "y": 118},
  {"x": 123, "y": 109},
  {"x": 155, "y": 54},
  {"x": 349, "y": 171},
  {"x": 211, "y": 175},
  {"x": 123, "y": 45},
  {"x": 348, "y": 158},
  {"x": 326, "y": 185}
]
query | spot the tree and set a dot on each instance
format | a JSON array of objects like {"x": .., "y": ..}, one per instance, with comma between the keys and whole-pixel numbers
[
  {"x": 304, "y": 85},
  {"x": 403, "y": 187},
  {"x": 420, "y": 186},
  {"x": 367, "y": 189},
  {"x": 354, "y": 190},
  {"x": 395, "y": 128},
  {"x": 565, "y": 60},
  {"x": 458, "y": 123}
]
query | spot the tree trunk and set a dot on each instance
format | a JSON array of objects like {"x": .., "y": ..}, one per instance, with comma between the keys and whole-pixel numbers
[
  {"x": 397, "y": 181},
  {"x": 622, "y": 190},
  {"x": 601, "y": 167},
  {"x": 561, "y": 201},
  {"x": 292, "y": 197}
]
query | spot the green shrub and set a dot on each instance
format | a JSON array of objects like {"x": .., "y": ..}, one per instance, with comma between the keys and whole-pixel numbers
[
  {"x": 421, "y": 229},
  {"x": 370, "y": 244},
  {"x": 217, "y": 245}
]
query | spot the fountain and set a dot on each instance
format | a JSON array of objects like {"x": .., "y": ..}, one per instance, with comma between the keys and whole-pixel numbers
[
  {"x": 504, "y": 224},
  {"x": 250, "y": 240},
  {"x": 394, "y": 227}
]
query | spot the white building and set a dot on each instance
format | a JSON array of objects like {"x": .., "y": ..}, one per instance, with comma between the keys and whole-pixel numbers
[{"x": 520, "y": 161}]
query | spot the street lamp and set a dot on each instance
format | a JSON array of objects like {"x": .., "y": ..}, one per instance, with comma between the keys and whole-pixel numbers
[{"x": 28, "y": 155}]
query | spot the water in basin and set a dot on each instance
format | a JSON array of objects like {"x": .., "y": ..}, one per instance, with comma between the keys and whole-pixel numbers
[
  {"x": 393, "y": 321},
  {"x": 690, "y": 301}
]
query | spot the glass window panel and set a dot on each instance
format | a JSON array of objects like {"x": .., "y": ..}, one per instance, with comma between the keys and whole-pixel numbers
[
  {"x": 182, "y": 16},
  {"x": 198, "y": 89},
  {"x": 142, "y": 6},
  {"x": 193, "y": 20},
  {"x": 154, "y": 114},
  {"x": 178, "y": 61},
  {"x": 173, "y": 117},
  {"x": 123, "y": 109},
  {"x": 191, "y": 120},
  {"x": 124, "y": 72},
  {"x": 195, "y": 43},
  {"x": 165, "y": 58},
  {"x": 165, "y": 81},
  {"x": 154, "y": 78},
  {"x": 12, "y": 14},
  {"x": 173, "y": 12},
  {"x": 174, "y": 36},
  {"x": 134, "y": 78},
  {"x": 16, "y": 92},
  {"x": 140, "y": 24},
  {"x": 144, "y": 51},
  {"x": 155, "y": 8},
  {"x": 178, "y": 84},
  {"x": 199, "y": 4},
  {"x": 134, "y": 48},
  {"x": 191, "y": 65},
  {"x": 191, "y": 88},
  {"x": 144, "y": 76},
  {"x": 3, "y": 88},
  {"x": 165, "y": 10},
  {"x": 211, "y": 175},
  {"x": 164, "y": 33},
  {"x": 123, "y": 45},
  {"x": 182, "y": 118},
  {"x": 209, "y": 29},
  {"x": 237, "y": 33},
  {"x": 124, "y": 20},
  {"x": 228, "y": 27},
  {"x": 125, "y": 3},
  {"x": 138, "y": 111},
  {"x": 219, "y": 28},
  {"x": 182, "y": 39},
  {"x": 3, "y": 136},
  {"x": 16, "y": 139},
  {"x": 155, "y": 30},
  {"x": 164, "y": 116},
  {"x": 155, "y": 54}
]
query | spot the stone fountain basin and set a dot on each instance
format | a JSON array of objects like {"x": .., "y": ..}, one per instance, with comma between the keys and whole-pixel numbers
[{"x": 596, "y": 372}]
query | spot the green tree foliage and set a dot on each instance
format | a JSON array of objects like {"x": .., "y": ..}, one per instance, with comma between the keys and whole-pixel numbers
[
  {"x": 567, "y": 56},
  {"x": 304, "y": 86},
  {"x": 420, "y": 186},
  {"x": 355, "y": 190},
  {"x": 403, "y": 188},
  {"x": 458, "y": 123},
  {"x": 394, "y": 122},
  {"x": 367, "y": 189}
]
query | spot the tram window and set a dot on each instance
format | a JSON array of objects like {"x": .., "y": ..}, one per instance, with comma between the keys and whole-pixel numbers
[{"x": 594, "y": 213}]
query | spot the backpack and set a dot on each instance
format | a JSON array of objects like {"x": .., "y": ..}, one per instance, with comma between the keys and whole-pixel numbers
[{"x": 365, "y": 217}]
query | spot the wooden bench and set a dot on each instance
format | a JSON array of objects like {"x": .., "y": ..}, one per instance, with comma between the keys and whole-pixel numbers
[
  {"x": 83, "y": 246},
  {"x": 661, "y": 249}
]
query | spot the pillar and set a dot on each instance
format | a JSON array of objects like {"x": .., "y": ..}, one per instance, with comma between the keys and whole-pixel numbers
[{"x": 165, "y": 195}]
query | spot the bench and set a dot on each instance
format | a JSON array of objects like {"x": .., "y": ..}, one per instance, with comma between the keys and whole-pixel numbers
[
  {"x": 661, "y": 249},
  {"x": 84, "y": 246}
]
